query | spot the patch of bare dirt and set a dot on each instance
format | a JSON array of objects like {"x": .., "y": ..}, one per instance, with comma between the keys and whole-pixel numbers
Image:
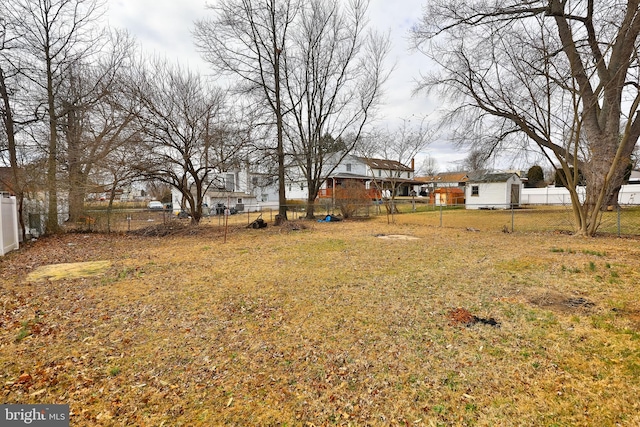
[
  {"x": 291, "y": 226},
  {"x": 462, "y": 316},
  {"x": 557, "y": 301}
]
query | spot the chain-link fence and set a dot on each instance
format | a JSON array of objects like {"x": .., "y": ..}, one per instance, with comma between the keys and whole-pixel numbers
[{"x": 622, "y": 221}]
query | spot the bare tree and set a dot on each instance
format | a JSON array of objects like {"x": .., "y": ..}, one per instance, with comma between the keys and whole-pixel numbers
[
  {"x": 403, "y": 143},
  {"x": 116, "y": 169},
  {"x": 98, "y": 116},
  {"x": 397, "y": 148},
  {"x": 189, "y": 136},
  {"x": 563, "y": 74},
  {"x": 475, "y": 162},
  {"x": 429, "y": 167},
  {"x": 54, "y": 35},
  {"x": 248, "y": 39},
  {"x": 334, "y": 75}
]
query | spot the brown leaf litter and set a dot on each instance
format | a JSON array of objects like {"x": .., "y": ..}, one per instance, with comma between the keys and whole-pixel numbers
[{"x": 462, "y": 316}]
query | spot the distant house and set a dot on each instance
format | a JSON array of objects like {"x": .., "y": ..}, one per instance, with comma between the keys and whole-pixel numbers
[
  {"x": 237, "y": 187},
  {"x": 378, "y": 177},
  {"x": 246, "y": 190},
  {"x": 391, "y": 175},
  {"x": 428, "y": 184},
  {"x": 493, "y": 191}
]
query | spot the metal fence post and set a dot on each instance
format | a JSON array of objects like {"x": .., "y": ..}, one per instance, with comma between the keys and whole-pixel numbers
[
  {"x": 618, "y": 219},
  {"x": 440, "y": 216},
  {"x": 513, "y": 212}
]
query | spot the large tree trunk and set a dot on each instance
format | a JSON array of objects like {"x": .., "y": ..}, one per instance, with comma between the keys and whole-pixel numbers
[
  {"x": 77, "y": 193},
  {"x": 605, "y": 171},
  {"x": 18, "y": 187},
  {"x": 313, "y": 187},
  {"x": 282, "y": 195},
  {"x": 52, "y": 225},
  {"x": 77, "y": 176},
  {"x": 311, "y": 206}
]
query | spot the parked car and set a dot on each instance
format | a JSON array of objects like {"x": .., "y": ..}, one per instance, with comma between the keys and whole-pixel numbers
[
  {"x": 155, "y": 205},
  {"x": 220, "y": 208}
]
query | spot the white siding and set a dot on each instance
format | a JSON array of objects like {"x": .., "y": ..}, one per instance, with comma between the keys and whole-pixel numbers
[
  {"x": 493, "y": 195},
  {"x": 629, "y": 195},
  {"x": 357, "y": 167},
  {"x": 8, "y": 224}
]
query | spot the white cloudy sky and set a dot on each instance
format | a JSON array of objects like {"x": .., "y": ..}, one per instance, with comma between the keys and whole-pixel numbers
[{"x": 164, "y": 27}]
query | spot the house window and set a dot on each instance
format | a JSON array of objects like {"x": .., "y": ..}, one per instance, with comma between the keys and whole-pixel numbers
[
  {"x": 348, "y": 167},
  {"x": 254, "y": 180},
  {"x": 264, "y": 197},
  {"x": 379, "y": 172},
  {"x": 240, "y": 201},
  {"x": 475, "y": 190}
]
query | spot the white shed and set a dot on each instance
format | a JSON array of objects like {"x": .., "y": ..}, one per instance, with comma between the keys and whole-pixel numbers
[{"x": 493, "y": 191}]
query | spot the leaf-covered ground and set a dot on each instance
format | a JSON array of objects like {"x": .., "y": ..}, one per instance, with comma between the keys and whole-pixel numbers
[{"x": 327, "y": 325}]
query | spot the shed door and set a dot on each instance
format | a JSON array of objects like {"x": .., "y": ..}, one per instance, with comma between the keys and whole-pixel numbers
[{"x": 515, "y": 194}]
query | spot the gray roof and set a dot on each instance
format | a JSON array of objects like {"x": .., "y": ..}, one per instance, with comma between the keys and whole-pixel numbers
[
  {"x": 491, "y": 177},
  {"x": 385, "y": 164},
  {"x": 347, "y": 175}
]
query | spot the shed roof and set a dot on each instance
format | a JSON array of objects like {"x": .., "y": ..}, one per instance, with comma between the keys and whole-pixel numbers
[{"x": 492, "y": 177}]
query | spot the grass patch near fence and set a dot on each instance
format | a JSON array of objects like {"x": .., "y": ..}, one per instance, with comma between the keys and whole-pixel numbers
[{"x": 328, "y": 324}]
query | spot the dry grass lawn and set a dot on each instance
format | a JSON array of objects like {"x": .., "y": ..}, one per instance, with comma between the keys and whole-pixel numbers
[{"x": 328, "y": 325}]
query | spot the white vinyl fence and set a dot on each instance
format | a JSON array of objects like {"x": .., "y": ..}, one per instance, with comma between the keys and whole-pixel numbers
[
  {"x": 8, "y": 224},
  {"x": 629, "y": 195}
]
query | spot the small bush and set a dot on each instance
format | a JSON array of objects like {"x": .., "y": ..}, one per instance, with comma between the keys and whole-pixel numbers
[{"x": 350, "y": 197}]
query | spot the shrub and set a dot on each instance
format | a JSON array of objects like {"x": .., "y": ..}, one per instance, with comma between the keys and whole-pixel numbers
[{"x": 350, "y": 197}]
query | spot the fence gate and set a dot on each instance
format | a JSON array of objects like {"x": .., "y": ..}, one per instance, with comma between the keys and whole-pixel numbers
[{"x": 8, "y": 224}]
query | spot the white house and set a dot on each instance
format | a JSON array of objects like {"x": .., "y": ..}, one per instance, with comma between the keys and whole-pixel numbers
[
  {"x": 349, "y": 168},
  {"x": 237, "y": 188},
  {"x": 493, "y": 191},
  {"x": 250, "y": 191},
  {"x": 376, "y": 175}
]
